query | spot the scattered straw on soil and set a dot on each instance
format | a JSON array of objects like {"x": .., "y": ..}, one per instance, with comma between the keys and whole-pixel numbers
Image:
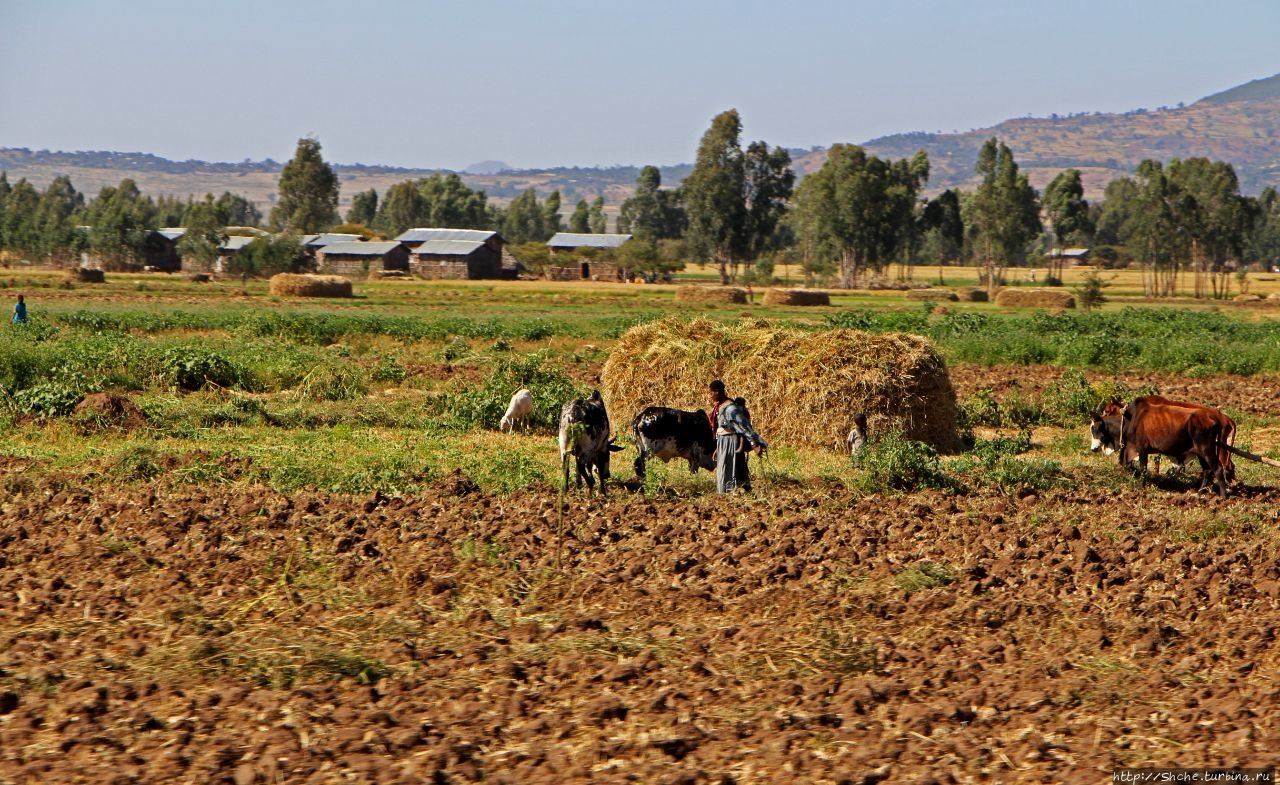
[
  {"x": 802, "y": 388},
  {"x": 932, "y": 294},
  {"x": 796, "y": 297},
  {"x": 711, "y": 294},
  {"x": 1035, "y": 298},
  {"x": 292, "y": 285}
]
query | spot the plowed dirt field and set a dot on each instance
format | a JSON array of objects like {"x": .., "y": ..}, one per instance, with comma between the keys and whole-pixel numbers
[{"x": 800, "y": 635}]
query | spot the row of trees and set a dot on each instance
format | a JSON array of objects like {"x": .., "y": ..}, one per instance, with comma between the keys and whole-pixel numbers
[{"x": 739, "y": 206}]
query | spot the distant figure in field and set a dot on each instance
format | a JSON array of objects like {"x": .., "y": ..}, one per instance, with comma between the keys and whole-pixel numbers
[
  {"x": 751, "y": 295},
  {"x": 857, "y": 439},
  {"x": 20, "y": 311},
  {"x": 1032, "y": 276}
]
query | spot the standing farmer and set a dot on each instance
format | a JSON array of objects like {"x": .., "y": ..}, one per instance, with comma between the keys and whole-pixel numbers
[
  {"x": 20, "y": 311},
  {"x": 735, "y": 437}
]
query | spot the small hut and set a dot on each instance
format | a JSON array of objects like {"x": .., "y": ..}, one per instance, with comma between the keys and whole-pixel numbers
[
  {"x": 587, "y": 269},
  {"x": 362, "y": 258},
  {"x": 456, "y": 259},
  {"x": 160, "y": 250}
]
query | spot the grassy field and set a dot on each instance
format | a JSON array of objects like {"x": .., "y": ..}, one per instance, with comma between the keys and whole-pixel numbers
[{"x": 404, "y": 383}]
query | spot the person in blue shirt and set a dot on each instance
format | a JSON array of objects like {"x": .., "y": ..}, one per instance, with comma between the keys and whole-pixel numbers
[
  {"x": 735, "y": 437},
  {"x": 20, "y": 311}
]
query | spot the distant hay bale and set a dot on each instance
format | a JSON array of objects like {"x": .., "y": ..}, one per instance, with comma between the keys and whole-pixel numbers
[
  {"x": 1248, "y": 298},
  {"x": 293, "y": 285},
  {"x": 1035, "y": 298},
  {"x": 803, "y": 388},
  {"x": 796, "y": 297},
  {"x": 974, "y": 295},
  {"x": 711, "y": 294},
  {"x": 932, "y": 294},
  {"x": 87, "y": 275}
]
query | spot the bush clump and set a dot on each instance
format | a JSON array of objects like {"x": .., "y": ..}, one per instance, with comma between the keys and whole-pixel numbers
[{"x": 895, "y": 463}]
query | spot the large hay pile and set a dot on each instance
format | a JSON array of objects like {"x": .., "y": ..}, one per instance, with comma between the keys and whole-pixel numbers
[
  {"x": 974, "y": 295},
  {"x": 711, "y": 294},
  {"x": 87, "y": 275},
  {"x": 932, "y": 294},
  {"x": 1035, "y": 298},
  {"x": 293, "y": 285},
  {"x": 802, "y": 388},
  {"x": 796, "y": 297}
]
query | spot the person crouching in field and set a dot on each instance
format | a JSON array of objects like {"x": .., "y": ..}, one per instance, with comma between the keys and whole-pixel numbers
[
  {"x": 20, "y": 311},
  {"x": 735, "y": 437}
]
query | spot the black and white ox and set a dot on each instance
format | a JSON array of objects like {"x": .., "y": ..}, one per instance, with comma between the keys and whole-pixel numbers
[
  {"x": 584, "y": 434},
  {"x": 664, "y": 434}
]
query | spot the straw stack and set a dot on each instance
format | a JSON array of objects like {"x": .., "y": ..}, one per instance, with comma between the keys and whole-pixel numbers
[
  {"x": 293, "y": 285},
  {"x": 796, "y": 297},
  {"x": 1035, "y": 298},
  {"x": 802, "y": 388},
  {"x": 711, "y": 294}
]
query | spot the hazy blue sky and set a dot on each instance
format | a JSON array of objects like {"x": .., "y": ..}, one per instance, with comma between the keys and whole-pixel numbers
[{"x": 445, "y": 83}]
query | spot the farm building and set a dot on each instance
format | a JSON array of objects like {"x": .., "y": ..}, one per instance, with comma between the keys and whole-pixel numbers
[
  {"x": 414, "y": 238},
  {"x": 314, "y": 243},
  {"x": 229, "y": 248},
  {"x": 160, "y": 249},
  {"x": 362, "y": 258},
  {"x": 457, "y": 259},
  {"x": 586, "y": 269}
]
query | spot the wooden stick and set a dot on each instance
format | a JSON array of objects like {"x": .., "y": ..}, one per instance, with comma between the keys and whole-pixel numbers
[{"x": 1252, "y": 457}]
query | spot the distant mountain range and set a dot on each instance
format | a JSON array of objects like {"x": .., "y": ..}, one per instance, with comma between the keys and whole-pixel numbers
[{"x": 1240, "y": 125}]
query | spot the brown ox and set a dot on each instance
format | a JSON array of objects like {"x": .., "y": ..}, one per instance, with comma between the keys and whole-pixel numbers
[
  {"x": 1227, "y": 425},
  {"x": 1176, "y": 431}
]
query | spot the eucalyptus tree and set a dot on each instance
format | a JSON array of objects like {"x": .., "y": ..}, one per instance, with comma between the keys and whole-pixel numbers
[
  {"x": 652, "y": 213},
  {"x": 734, "y": 200},
  {"x": 364, "y": 208},
  {"x": 402, "y": 208},
  {"x": 551, "y": 213},
  {"x": 858, "y": 210},
  {"x": 1068, "y": 214},
  {"x": 19, "y": 228},
  {"x": 308, "y": 192},
  {"x": 120, "y": 219},
  {"x": 580, "y": 221},
  {"x": 524, "y": 220},
  {"x": 597, "y": 221},
  {"x": 54, "y": 229},
  {"x": 205, "y": 233},
  {"x": 1152, "y": 230},
  {"x": 1003, "y": 214},
  {"x": 1215, "y": 217}
]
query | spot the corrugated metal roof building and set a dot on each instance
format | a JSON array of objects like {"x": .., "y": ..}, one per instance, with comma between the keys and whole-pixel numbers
[
  {"x": 569, "y": 241},
  {"x": 457, "y": 259},
  {"x": 362, "y": 258}
]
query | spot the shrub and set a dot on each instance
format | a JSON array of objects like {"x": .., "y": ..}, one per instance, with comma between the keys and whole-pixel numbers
[
  {"x": 52, "y": 399},
  {"x": 333, "y": 382},
  {"x": 896, "y": 463},
  {"x": 195, "y": 367},
  {"x": 483, "y": 406}
]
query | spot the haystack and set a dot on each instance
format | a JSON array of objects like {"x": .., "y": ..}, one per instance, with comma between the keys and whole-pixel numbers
[
  {"x": 796, "y": 297},
  {"x": 803, "y": 388},
  {"x": 1035, "y": 298},
  {"x": 87, "y": 275},
  {"x": 711, "y": 294},
  {"x": 974, "y": 295},
  {"x": 293, "y": 285},
  {"x": 932, "y": 294}
]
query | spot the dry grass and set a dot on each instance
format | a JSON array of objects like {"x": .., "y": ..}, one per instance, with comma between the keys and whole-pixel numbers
[
  {"x": 292, "y": 285},
  {"x": 796, "y": 297},
  {"x": 1035, "y": 298},
  {"x": 803, "y": 388},
  {"x": 711, "y": 294}
]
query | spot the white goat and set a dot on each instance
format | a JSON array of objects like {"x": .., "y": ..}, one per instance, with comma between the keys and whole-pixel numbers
[{"x": 519, "y": 410}]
